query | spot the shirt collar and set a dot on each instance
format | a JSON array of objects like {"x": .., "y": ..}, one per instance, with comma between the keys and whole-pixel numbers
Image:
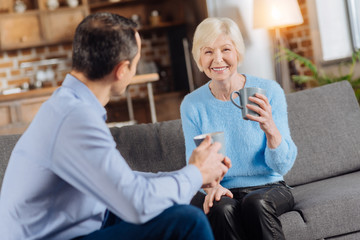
[{"x": 83, "y": 92}]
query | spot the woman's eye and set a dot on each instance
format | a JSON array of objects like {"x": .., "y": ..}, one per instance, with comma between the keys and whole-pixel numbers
[
  {"x": 208, "y": 52},
  {"x": 227, "y": 49}
]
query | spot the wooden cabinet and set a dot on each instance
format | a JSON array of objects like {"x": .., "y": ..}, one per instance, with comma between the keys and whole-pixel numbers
[
  {"x": 39, "y": 25},
  {"x": 20, "y": 31},
  {"x": 163, "y": 43},
  {"x": 18, "y": 110},
  {"x": 168, "y": 14},
  {"x": 60, "y": 25}
]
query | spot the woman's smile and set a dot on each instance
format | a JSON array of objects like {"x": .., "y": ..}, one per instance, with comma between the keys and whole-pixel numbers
[
  {"x": 219, "y": 59},
  {"x": 219, "y": 70}
]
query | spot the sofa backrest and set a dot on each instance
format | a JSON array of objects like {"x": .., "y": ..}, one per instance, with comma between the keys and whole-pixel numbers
[
  {"x": 7, "y": 143},
  {"x": 325, "y": 126},
  {"x": 152, "y": 147}
]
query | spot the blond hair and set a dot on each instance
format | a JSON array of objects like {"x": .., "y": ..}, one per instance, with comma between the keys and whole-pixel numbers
[{"x": 210, "y": 29}]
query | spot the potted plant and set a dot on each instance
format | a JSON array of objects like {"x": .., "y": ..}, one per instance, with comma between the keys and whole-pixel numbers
[{"x": 319, "y": 77}]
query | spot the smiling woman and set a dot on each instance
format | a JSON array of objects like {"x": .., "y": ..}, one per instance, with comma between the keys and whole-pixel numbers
[
  {"x": 260, "y": 148},
  {"x": 208, "y": 32},
  {"x": 219, "y": 61}
]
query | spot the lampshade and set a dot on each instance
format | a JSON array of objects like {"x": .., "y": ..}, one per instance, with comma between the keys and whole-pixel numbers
[{"x": 276, "y": 13}]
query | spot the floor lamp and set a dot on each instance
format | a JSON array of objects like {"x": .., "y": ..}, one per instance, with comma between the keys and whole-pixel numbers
[{"x": 276, "y": 14}]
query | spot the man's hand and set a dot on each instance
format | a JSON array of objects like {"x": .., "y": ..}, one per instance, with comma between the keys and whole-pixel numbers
[
  {"x": 214, "y": 193},
  {"x": 212, "y": 165}
]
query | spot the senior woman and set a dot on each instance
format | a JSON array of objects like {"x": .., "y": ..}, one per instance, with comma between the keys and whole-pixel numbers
[{"x": 252, "y": 195}]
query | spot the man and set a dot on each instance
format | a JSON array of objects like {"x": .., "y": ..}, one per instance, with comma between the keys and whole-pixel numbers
[{"x": 65, "y": 171}]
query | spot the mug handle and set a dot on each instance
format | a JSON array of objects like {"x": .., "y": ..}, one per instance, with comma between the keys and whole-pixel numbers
[{"x": 231, "y": 98}]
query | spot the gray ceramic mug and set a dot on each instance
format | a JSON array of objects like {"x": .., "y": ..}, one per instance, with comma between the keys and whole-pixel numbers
[
  {"x": 244, "y": 95},
  {"x": 215, "y": 137}
]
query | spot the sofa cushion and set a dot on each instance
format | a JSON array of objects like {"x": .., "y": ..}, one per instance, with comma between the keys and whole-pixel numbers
[
  {"x": 325, "y": 208},
  {"x": 7, "y": 143},
  {"x": 152, "y": 147},
  {"x": 350, "y": 236},
  {"x": 325, "y": 126},
  {"x": 294, "y": 227}
]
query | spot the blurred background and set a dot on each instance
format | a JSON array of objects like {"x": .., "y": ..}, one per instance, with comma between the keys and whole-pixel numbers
[{"x": 298, "y": 43}]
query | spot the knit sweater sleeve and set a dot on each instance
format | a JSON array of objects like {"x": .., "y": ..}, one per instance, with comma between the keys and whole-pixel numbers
[
  {"x": 190, "y": 120},
  {"x": 282, "y": 158}
]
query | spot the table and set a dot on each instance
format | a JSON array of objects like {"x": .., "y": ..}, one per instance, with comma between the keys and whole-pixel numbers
[{"x": 147, "y": 79}]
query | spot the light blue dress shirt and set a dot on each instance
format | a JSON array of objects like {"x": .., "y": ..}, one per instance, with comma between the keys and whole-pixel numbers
[{"x": 65, "y": 171}]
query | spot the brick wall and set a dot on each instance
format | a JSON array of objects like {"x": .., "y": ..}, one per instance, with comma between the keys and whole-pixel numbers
[
  {"x": 299, "y": 40},
  {"x": 12, "y": 74}
]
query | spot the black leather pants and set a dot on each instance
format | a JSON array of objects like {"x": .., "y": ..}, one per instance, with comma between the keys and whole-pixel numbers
[{"x": 252, "y": 213}]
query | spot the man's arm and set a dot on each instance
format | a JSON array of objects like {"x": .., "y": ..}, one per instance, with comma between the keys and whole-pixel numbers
[{"x": 86, "y": 157}]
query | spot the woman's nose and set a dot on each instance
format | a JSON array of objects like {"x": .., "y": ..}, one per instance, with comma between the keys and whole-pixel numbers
[{"x": 218, "y": 56}]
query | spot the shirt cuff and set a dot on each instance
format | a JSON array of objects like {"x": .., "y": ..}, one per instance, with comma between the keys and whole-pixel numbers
[{"x": 194, "y": 176}]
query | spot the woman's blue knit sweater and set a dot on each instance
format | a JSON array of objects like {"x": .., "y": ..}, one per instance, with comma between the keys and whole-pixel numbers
[{"x": 253, "y": 163}]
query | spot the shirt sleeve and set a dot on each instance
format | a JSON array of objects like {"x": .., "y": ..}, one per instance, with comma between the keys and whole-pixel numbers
[
  {"x": 282, "y": 158},
  {"x": 85, "y": 156}
]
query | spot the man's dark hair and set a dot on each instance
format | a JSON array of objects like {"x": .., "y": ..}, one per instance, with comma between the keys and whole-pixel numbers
[{"x": 102, "y": 40}]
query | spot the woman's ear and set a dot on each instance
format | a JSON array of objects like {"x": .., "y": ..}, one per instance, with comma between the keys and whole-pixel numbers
[
  {"x": 239, "y": 59},
  {"x": 199, "y": 64},
  {"x": 121, "y": 69}
]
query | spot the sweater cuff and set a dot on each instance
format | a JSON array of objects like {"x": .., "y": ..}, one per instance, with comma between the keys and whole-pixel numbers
[{"x": 277, "y": 154}]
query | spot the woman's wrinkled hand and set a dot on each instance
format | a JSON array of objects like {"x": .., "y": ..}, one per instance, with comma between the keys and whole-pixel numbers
[
  {"x": 265, "y": 119},
  {"x": 214, "y": 193}
]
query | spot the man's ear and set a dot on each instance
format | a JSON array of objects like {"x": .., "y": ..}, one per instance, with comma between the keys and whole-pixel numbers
[{"x": 121, "y": 69}]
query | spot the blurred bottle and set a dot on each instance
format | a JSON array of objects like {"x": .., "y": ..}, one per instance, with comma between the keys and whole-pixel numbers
[
  {"x": 155, "y": 18},
  {"x": 19, "y": 6}
]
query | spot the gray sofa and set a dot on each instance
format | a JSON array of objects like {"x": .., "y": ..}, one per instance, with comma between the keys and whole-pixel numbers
[{"x": 325, "y": 125}]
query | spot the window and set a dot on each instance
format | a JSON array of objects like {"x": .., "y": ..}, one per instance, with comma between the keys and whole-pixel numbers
[
  {"x": 334, "y": 28},
  {"x": 354, "y": 19}
]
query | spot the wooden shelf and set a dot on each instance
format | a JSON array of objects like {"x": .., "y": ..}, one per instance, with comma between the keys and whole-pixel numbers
[
  {"x": 17, "y": 110},
  {"x": 161, "y": 25},
  {"x": 95, "y": 4},
  {"x": 109, "y": 3},
  {"x": 28, "y": 94},
  {"x": 39, "y": 26}
]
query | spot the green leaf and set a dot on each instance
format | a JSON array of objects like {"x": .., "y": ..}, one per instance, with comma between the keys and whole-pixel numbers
[
  {"x": 291, "y": 56},
  {"x": 302, "y": 78},
  {"x": 320, "y": 78}
]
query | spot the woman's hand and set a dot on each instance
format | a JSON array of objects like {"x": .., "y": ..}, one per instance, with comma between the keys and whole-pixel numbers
[
  {"x": 214, "y": 193},
  {"x": 265, "y": 119}
]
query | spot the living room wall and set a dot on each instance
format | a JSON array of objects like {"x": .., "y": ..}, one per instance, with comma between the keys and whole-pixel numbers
[{"x": 305, "y": 41}]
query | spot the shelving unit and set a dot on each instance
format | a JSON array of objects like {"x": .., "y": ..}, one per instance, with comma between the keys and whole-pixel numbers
[
  {"x": 38, "y": 25},
  {"x": 166, "y": 46},
  {"x": 162, "y": 43},
  {"x": 97, "y": 4}
]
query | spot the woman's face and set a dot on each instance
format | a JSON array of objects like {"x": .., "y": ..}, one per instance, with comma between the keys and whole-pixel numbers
[{"x": 220, "y": 59}]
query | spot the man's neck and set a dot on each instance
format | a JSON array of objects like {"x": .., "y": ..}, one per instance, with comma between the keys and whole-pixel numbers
[{"x": 100, "y": 88}]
